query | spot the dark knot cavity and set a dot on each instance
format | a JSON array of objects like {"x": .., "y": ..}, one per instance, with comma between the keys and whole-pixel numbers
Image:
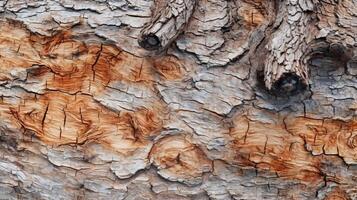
[
  {"x": 288, "y": 84},
  {"x": 150, "y": 42}
]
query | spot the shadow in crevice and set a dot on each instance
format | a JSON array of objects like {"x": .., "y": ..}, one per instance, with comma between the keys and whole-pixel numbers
[{"x": 270, "y": 100}]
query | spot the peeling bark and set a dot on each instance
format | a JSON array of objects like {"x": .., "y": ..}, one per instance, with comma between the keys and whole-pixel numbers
[{"x": 86, "y": 113}]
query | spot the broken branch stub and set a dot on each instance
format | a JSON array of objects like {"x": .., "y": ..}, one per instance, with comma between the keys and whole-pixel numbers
[
  {"x": 285, "y": 71},
  {"x": 166, "y": 24}
]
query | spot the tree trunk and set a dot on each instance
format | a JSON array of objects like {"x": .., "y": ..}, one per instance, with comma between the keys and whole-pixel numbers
[{"x": 178, "y": 99}]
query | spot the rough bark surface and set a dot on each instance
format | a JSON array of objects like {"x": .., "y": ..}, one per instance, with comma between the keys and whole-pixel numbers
[{"x": 87, "y": 113}]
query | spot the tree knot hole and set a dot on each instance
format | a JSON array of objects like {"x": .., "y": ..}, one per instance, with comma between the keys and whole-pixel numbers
[
  {"x": 150, "y": 42},
  {"x": 288, "y": 84}
]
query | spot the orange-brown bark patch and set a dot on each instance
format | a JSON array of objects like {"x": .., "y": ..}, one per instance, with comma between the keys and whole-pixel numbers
[
  {"x": 253, "y": 14},
  {"x": 145, "y": 122},
  {"x": 176, "y": 156},
  {"x": 58, "y": 118},
  {"x": 169, "y": 67},
  {"x": 72, "y": 73},
  {"x": 337, "y": 194},
  {"x": 76, "y": 66},
  {"x": 269, "y": 146},
  {"x": 328, "y": 136},
  {"x": 16, "y": 51},
  {"x": 285, "y": 146}
]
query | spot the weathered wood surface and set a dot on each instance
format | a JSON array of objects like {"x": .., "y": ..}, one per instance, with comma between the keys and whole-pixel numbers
[{"x": 87, "y": 113}]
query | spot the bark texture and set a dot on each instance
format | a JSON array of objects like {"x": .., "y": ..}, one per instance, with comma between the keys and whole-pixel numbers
[{"x": 245, "y": 99}]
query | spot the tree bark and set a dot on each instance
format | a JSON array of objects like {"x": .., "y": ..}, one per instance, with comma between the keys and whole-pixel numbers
[{"x": 178, "y": 99}]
